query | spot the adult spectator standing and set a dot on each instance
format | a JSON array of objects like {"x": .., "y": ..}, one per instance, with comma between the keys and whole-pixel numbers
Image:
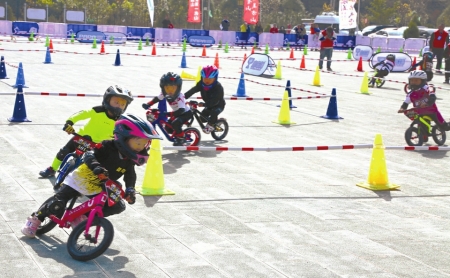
[
  {"x": 166, "y": 24},
  {"x": 245, "y": 29},
  {"x": 258, "y": 28},
  {"x": 225, "y": 24},
  {"x": 282, "y": 30},
  {"x": 274, "y": 29},
  {"x": 438, "y": 41},
  {"x": 326, "y": 39},
  {"x": 447, "y": 64}
]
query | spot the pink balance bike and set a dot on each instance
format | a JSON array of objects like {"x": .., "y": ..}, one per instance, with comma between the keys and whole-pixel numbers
[{"x": 90, "y": 238}]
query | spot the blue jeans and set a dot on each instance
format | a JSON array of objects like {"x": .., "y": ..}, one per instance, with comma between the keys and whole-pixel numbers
[{"x": 325, "y": 52}]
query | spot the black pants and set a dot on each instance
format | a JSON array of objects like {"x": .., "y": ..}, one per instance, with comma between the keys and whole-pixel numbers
[
  {"x": 70, "y": 147},
  {"x": 212, "y": 113},
  {"x": 177, "y": 123},
  {"x": 430, "y": 75},
  {"x": 382, "y": 73},
  {"x": 447, "y": 69},
  {"x": 66, "y": 193},
  {"x": 439, "y": 54}
]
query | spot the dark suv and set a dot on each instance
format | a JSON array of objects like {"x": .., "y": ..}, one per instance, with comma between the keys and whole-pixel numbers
[{"x": 374, "y": 28}]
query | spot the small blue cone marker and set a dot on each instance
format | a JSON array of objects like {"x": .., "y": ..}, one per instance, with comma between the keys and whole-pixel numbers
[
  {"x": 117, "y": 62},
  {"x": 3, "y": 69},
  {"x": 241, "y": 88},
  {"x": 20, "y": 113},
  {"x": 48, "y": 58},
  {"x": 288, "y": 89},
  {"x": 20, "y": 80},
  {"x": 183, "y": 61},
  {"x": 332, "y": 111}
]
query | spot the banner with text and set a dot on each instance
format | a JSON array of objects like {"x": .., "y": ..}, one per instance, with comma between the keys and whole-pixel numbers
[
  {"x": 194, "y": 11},
  {"x": 251, "y": 11},
  {"x": 347, "y": 14}
]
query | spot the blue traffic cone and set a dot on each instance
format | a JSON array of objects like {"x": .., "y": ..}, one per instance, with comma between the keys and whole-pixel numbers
[
  {"x": 332, "y": 111},
  {"x": 241, "y": 88},
  {"x": 183, "y": 61},
  {"x": 20, "y": 113},
  {"x": 288, "y": 89},
  {"x": 3, "y": 69},
  {"x": 48, "y": 58},
  {"x": 20, "y": 80},
  {"x": 117, "y": 62}
]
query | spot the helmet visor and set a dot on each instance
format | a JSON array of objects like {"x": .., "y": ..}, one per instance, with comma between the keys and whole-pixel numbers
[
  {"x": 170, "y": 89},
  {"x": 138, "y": 144}
]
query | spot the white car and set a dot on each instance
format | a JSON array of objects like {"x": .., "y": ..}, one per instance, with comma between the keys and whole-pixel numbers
[{"x": 390, "y": 33}]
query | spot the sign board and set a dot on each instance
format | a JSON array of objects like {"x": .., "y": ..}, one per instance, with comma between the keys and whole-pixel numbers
[
  {"x": 2, "y": 12},
  {"x": 403, "y": 61},
  {"x": 39, "y": 14},
  {"x": 201, "y": 41},
  {"x": 118, "y": 37},
  {"x": 363, "y": 51},
  {"x": 88, "y": 36},
  {"x": 77, "y": 16},
  {"x": 259, "y": 64}
]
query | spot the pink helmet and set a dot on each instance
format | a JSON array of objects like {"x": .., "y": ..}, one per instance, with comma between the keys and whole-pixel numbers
[{"x": 209, "y": 72}]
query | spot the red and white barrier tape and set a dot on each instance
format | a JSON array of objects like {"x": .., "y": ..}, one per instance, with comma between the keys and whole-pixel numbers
[
  {"x": 305, "y": 148},
  {"x": 145, "y": 96},
  {"x": 271, "y": 149}
]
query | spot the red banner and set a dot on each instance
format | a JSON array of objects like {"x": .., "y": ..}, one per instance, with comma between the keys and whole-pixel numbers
[
  {"x": 251, "y": 11},
  {"x": 194, "y": 11}
]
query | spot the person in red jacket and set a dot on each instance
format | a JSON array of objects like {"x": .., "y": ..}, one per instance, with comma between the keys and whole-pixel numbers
[
  {"x": 274, "y": 29},
  {"x": 326, "y": 39},
  {"x": 438, "y": 41}
]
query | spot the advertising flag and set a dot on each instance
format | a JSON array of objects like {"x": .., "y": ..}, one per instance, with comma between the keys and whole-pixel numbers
[
  {"x": 347, "y": 14},
  {"x": 251, "y": 11},
  {"x": 194, "y": 11},
  {"x": 151, "y": 9}
]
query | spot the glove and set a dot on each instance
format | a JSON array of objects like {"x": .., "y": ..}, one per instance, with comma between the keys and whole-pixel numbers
[
  {"x": 101, "y": 173},
  {"x": 146, "y": 106},
  {"x": 68, "y": 128},
  {"x": 130, "y": 195}
]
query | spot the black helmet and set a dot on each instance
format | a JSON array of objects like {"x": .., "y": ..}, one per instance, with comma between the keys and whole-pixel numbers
[
  {"x": 171, "y": 78},
  {"x": 116, "y": 91},
  {"x": 390, "y": 57},
  {"x": 128, "y": 126}
]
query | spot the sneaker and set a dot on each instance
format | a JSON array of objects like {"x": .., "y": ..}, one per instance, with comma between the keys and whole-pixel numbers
[
  {"x": 446, "y": 82},
  {"x": 78, "y": 220},
  {"x": 208, "y": 129},
  {"x": 30, "y": 227},
  {"x": 439, "y": 71},
  {"x": 49, "y": 172},
  {"x": 179, "y": 141},
  {"x": 329, "y": 69}
]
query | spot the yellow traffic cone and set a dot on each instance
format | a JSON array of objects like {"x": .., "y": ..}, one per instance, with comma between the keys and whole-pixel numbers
[
  {"x": 284, "y": 118},
  {"x": 153, "y": 184},
  {"x": 278, "y": 72},
  {"x": 185, "y": 75},
  {"x": 316, "y": 80},
  {"x": 365, "y": 84},
  {"x": 199, "y": 75},
  {"x": 378, "y": 176}
]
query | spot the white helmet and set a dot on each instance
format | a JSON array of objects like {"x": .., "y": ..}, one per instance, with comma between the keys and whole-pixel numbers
[{"x": 419, "y": 74}]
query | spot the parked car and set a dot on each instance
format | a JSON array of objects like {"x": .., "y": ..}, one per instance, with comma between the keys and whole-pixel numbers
[
  {"x": 390, "y": 33},
  {"x": 374, "y": 28},
  {"x": 426, "y": 32}
]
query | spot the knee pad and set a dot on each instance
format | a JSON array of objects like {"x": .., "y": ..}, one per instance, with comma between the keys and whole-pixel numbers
[{"x": 62, "y": 153}]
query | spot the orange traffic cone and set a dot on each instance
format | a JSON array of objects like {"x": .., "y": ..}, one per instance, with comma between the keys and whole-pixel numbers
[
  {"x": 154, "y": 49},
  {"x": 253, "y": 51},
  {"x": 216, "y": 60},
  {"x": 292, "y": 54},
  {"x": 302, "y": 64},
  {"x": 204, "y": 51},
  {"x": 102, "y": 48},
  {"x": 50, "y": 46},
  {"x": 360, "y": 67},
  {"x": 243, "y": 61}
]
